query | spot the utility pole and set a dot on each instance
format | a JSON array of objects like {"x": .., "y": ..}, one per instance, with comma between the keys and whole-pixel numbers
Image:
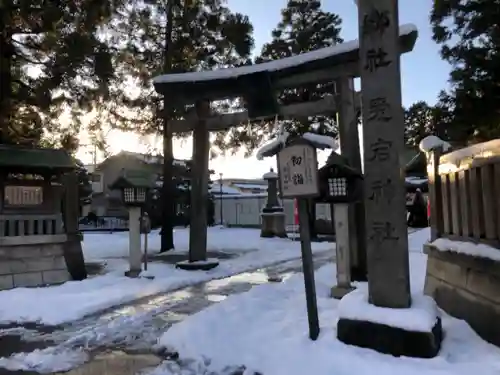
[
  {"x": 167, "y": 232},
  {"x": 221, "y": 200}
]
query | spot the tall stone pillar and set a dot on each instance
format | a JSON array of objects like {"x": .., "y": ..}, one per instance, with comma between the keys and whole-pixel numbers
[
  {"x": 199, "y": 186},
  {"x": 383, "y": 325},
  {"x": 383, "y": 140},
  {"x": 273, "y": 216}
]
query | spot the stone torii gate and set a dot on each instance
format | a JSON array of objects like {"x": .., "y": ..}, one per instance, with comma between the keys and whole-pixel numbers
[{"x": 258, "y": 85}]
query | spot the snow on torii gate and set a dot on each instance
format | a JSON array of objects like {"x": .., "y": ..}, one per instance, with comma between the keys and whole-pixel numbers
[{"x": 257, "y": 84}]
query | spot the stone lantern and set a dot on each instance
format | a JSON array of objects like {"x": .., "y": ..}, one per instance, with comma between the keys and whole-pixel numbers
[
  {"x": 273, "y": 216},
  {"x": 134, "y": 186}
]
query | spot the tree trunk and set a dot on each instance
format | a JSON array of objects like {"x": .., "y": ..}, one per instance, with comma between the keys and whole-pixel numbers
[
  {"x": 168, "y": 209},
  {"x": 5, "y": 71}
]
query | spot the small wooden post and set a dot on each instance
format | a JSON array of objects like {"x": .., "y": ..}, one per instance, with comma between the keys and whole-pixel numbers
[
  {"x": 145, "y": 251},
  {"x": 308, "y": 269},
  {"x": 199, "y": 186},
  {"x": 146, "y": 226},
  {"x": 435, "y": 193},
  {"x": 342, "y": 261}
]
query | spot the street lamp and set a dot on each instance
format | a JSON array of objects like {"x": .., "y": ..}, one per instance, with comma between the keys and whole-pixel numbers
[{"x": 220, "y": 197}]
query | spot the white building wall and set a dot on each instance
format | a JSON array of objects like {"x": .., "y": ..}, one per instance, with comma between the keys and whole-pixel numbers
[{"x": 244, "y": 210}]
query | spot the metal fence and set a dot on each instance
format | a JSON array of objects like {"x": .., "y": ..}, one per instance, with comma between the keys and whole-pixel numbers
[{"x": 103, "y": 224}]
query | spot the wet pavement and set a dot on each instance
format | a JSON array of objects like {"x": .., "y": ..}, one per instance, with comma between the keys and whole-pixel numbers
[{"x": 120, "y": 340}]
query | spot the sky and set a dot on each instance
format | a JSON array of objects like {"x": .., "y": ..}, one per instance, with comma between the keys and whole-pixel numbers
[{"x": 423, "y": 72}]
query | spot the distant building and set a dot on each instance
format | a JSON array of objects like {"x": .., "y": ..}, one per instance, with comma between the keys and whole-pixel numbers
[
  {"x": 239, "y": 186},
  {"x": 106, "y": 202}
]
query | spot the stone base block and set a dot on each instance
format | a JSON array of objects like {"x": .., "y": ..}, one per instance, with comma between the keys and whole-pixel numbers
[
  {"x": 413, "y": 332},
  {"x": 390, "y": 340},
  {"x": 201, "y": 265},
  {"x": 273, "y": 225},
  {"x": 339, "y": 291},
  {"x": 133, "y": 273}
]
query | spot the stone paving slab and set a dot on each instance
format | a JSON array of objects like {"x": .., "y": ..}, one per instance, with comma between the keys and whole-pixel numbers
[{"x": 117, "y": 363}]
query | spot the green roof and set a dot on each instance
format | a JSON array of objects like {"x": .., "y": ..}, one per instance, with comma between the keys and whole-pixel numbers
[
  {"x": 23, "y": 158},
  {"x": 134, "y": 178}
]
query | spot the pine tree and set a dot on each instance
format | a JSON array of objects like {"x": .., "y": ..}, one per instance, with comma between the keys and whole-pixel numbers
[
  {"x": 304, "y": 27},
  {"x": 84, "y": 184},
  {"x": 54, "y": 59},
  {"x": 419, "y": 123},
  {"x": 206, "y": 35},
  {"x": 469, "y": 34}
]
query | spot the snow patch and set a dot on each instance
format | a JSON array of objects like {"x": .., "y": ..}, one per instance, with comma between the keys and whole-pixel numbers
[
  {"x": 269, "y": 66},
  {"x": 468, "y": 248},
  {"x": 45, "y": 361},
  {"x": 432, "y": 142},
  {"x": 420, "y": 317},
  {"x": 321, "y": 140}
]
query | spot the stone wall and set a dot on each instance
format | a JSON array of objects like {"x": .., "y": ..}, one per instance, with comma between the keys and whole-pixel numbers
[
  {"x": 33, "y": 264},
  {"x": 466, "y": 287}
]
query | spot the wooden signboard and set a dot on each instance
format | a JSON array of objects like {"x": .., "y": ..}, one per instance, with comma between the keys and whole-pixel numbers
[{"x": 298, "y": 171}]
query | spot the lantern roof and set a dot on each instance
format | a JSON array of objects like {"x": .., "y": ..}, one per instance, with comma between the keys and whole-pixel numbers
[{"x": 337, "y": 164}]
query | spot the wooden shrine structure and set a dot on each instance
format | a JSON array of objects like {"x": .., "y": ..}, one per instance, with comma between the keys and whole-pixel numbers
[
  {"x": 259, "y": 85},
  {"x": 39, "y": 208}
]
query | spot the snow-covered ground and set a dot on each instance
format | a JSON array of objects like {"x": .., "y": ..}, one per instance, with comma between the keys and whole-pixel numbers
[
  {"x": 98, "y": 246},
  {"x": 75, "y": 299},
  {"x": 266, "y": 331}
]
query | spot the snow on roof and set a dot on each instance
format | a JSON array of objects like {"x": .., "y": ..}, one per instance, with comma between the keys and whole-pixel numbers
[
  {"x": 478, "y": 250},
  {"x": 153, "y": 159},
  {"x": 269, "y": 175},
  {"x": 268, "y": 148},
  {"x": 269, "y": 66},
  {"x": 216, "y": 189},
  {"x": 432, "y": 142},
  {"x": 251, "y": 186},
  {"x": 321, "y": 140},
  {"x": 416, "y": 180}
]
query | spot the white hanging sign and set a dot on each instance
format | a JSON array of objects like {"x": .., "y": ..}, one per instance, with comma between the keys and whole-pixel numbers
[{"x": 298, "y": 171}]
